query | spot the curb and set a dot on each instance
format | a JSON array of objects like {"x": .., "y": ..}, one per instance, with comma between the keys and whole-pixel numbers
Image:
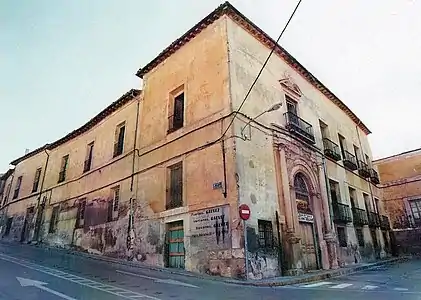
[{"x": 267, "y": 283}]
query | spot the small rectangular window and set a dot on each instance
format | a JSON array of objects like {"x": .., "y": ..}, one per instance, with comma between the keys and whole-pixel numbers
[
  {"x": 63, "y": 168},
  {"x": 334, "y": 191},
  {"x": 54, "y": 219},
  {"x": 352, "y": 197},
  {"x": 17, "y": 187},
  {"x": 81, "y": 213},
  {"x": 8, "y": 226},
  {"x": 176, "y": 120},
  {"x": 360, "y": 236},
  {"x": 113, "y": 204},
  {"x": 342, "y": 236},
  {"x": 88, "y": 159},
  {"x": 175, "y": 186},
  {"x": 291, "y": 105},
  {"x": 6, "y": 195},
  {"x": 342, "y": 145},
  {"x": 324, "y": 130},
  {"x": 119, "y": 140},
  {"x": 265, "y": 234},
  {"x": 36, "y": 180},
  {"x": 357, "y": 154}
]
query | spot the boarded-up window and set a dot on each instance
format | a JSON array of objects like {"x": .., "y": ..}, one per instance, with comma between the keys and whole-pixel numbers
[
  {"x": 360, "y": 236},
  {"x": 175, "y": 186},
  {"x": 113, "y": 204},
  {"x": 81, "y": 213},
  {"x": 342, "y": 236}
]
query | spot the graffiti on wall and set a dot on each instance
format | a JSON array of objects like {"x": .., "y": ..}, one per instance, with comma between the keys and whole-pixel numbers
[{"x": 211, "y": 226}]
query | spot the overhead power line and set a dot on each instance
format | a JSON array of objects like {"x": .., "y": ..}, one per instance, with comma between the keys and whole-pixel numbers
[{"x": 261, "y": 69}]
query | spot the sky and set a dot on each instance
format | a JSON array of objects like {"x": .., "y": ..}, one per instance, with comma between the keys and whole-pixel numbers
[{"x": 61, "y": 62}]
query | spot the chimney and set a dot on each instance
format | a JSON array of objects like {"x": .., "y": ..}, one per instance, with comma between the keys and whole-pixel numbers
[{"x": 26, "y": 151}]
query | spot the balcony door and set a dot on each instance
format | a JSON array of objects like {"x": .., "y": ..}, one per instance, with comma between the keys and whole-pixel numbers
[{"x": 291, "y": 105}]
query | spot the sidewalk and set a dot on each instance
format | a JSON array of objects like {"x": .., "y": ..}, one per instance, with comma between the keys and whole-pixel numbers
[{"x": 270, "y": 282}]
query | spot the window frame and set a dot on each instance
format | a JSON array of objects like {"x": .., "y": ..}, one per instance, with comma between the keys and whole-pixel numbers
[
  {"x": 265, "y": 231},
  {"x": 172, "y": 110},
  {"x": 342, "y": 240},
  {"x": 63, "y": 168},
  {"x": 18, "y": 184},
  {"x": 172, "y": 190},
  {"x": 37, "y": 177},
  {"x": 54, "y": 219},
  {"x": 87, "y": 164}
]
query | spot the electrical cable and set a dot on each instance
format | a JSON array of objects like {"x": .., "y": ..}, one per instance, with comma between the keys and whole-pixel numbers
[{"x": 261, "y": 69}]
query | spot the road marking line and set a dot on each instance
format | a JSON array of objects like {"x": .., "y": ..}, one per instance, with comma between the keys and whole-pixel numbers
[
  {"x": 400, "y": 289},
  {"x": 316, "y": 284},
  {"x": 158, "y": 280},
  {"x": 341, "y": 286},
  {"x": 41, "y": 285},
  {"x": 369, "y": 287},
  {"x": 50, "y": 271}
]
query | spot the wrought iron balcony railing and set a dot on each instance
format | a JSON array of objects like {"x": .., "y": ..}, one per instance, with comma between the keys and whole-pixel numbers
[
  {"x": 373, "y": 219},
  {"x": 341, "y": 213},
  {"x": 350, "y": 162},
  {"x": 374, "y": 176},
  {"x": 331, "y": 149},
  {"x": 299, "y": 127},
  {"x": 360, "y": 216},
  {"x": 363, "y": 169},
  {"x": 384, "y": 222}
]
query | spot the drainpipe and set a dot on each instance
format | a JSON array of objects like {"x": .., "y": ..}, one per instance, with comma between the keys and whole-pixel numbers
[
  {"x": 130, "y": 227},
  {"x": 40, "y": 205}
]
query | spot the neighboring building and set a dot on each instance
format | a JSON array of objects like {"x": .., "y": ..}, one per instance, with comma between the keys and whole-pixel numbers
[
  {"x": 400, "y": 176},
  {"x": 159, "y": 175}
]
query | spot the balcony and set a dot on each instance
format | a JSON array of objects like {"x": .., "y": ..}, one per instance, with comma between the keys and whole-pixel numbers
[
  {"x": 373, "y": 219},
  {"x": 331, "y": 149},
  {"x": 360, "y": 216},
  {"x": 374, "y": 176},
  {"x": 299, "y": 127},
  {"x": 341, "y": 213},
  {"x": 350, "y": 162},
  {"x": 384, "y": 222},
  {"x": 363, "y": 169}
]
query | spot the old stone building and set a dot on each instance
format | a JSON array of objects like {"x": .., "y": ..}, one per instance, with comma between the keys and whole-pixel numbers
[
  {"x": 401, "y": 193},
  {"x": 158, "y": 176}
]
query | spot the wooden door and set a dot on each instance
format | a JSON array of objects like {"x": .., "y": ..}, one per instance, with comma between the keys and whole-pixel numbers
[
  {"x": 307, "y": 246},
  {"x": 176, "y": 245}
]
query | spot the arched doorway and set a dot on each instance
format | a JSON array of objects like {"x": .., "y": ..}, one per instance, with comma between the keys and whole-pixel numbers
[{"x": 306, "y": 222}]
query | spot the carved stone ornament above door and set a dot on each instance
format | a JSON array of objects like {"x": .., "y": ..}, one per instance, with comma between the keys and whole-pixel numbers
[{"x": 288, "y": 83}]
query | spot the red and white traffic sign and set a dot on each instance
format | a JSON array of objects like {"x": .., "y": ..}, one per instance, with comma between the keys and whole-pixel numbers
[{"x": 244, "y": 211}]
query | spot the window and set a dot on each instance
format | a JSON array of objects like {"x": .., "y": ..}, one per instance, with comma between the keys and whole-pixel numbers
[
  {"x": 357, "y": 153},
  {"x": 300, "y": 186},
  {"x": 176, "y": 120},
  {"x": 54, "y": 219},
  {"x": 367, "y": 160},
  {"x": 360, "y": 236},
  {"x": 352, "y": 196},
  {"x": 63, "y": 168},
  {"x": 17, "y": 187},
  {"x": 415, "y": 206},
  {"x": 119, "y": 139},
  {"x": 385, "y": 239},
  {"x": 342, "y": 236},
  {"x": 8, "y": 226},
  {"x": 291, "y": 105},
  {"x": 323, "y": 130},
  {"x": 113, "y": 204},
  {"x": 81, "y": 213},
  {"x": 342, "y": 144},
  {"x": 6, "y": 195},
  {"x": 175, "y": 186},
  {"x": 334, "y": 191},
  {"x": 377, "y": 205},
  {"x": 367, "y": 202},
  {"x": 36, "y": 180},
  {"x": 265, "y": 234},
  {"x": 88, "y": 160}
]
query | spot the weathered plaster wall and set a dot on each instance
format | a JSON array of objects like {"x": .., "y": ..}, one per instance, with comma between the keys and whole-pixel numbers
[
  {"x": 400, "y": 177},
  {"x": 247, "y": 55}
]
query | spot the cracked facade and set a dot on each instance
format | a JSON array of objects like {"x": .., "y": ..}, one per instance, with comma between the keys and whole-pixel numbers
[{"x": 152, "y": 179}]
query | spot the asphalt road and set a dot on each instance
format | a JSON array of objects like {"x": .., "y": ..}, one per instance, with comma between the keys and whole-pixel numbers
[{"x": 28, "y": 273}]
